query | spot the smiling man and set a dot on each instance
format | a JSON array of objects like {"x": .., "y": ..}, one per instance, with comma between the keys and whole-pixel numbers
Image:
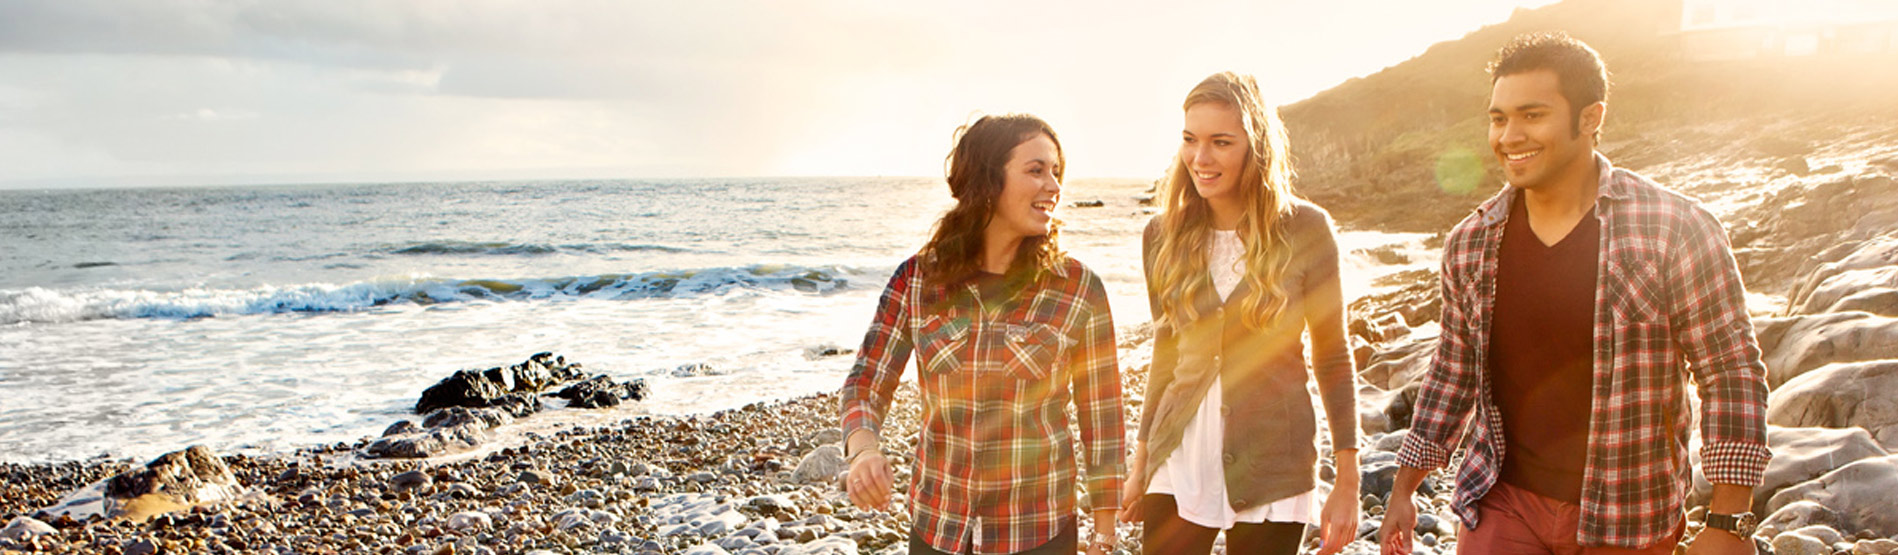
[{"x": 1579, "y": 305}]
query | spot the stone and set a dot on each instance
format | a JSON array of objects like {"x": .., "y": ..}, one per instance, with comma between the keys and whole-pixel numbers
[
  {"x": 830, "y": 545},
  {"x": 820, "y": 466},
  {"x": 1813, "y": 341},
  {"x": 1871, "y": 264},
  {"x": 1860, "y": 493},
  {"x": 141, "y": 546},
  {"x": 23, "y": 528},
  {"x": 470, "y": 520},
  {"x": 1796, "y": 544},
  {"x": 1796, "y": 515},
  {"x": 1882, "y": 301},
  {"x": 1392, "y": 369},
  {"x": 409, "y": 480},
  {"x": 1825, "y": 534},
  {"x": 708, "y": 549},
  {"x": 1880, "y": 546},
  {"x": 465, "y": 388},
  {"x": 1842, "y": 396}
]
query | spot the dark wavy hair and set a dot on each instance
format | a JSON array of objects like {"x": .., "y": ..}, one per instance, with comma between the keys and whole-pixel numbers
[
  {"x": 975, "y": 171},
  {"x": 1578, "y": 69}
]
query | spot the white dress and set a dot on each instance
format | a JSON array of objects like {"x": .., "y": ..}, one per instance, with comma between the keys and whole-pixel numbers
[{"x": 1194, "y": 474}]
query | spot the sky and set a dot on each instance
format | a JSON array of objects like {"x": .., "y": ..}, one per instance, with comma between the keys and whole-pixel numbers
[{"x": 209, "y": 92}]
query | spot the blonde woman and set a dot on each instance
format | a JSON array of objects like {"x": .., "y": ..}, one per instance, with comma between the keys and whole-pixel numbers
[{"x": 1238, "y": 269}]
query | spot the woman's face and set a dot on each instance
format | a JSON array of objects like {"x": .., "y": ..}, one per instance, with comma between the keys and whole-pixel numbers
[
  {"x": 1030, "y": 190},
  {"x": 1213, "y": 146}
]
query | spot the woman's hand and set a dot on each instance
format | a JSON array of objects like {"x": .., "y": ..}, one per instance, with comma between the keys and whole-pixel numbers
[
  {"x": 1338, "y": 523},
  {"x": 1135, "y": 486},
  {"x": 869, "y": 481}
]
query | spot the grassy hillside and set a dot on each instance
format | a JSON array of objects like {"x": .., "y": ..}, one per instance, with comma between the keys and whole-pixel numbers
[{"x": 1405, "y": 149}]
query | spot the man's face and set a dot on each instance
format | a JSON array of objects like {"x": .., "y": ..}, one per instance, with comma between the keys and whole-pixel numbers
[{"x": 1531, "y": 133}]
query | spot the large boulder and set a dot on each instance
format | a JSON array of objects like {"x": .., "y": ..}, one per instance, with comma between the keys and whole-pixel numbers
[
  {"x": 174, "y": 481},
  {"x": 1392, "y": 369},
  {"x": 1859, "y": 493},
  {"x": 1882, "y": 301},
  {"x": 513, "y": 388},
  {"x": 820, "y": 466},
  {"x": 1810, "y": 342},
  {"x": 1867, "y": 264},
  {"x": 1841, "y": 396},
  {"x": 1799, "y": 455}
]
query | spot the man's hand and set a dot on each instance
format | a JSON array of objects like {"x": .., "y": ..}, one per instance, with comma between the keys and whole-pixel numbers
[
  {"x": 1726, "y": 499},
  {"x": 1400, "y": 523},
  {"x": 1395, "y": 536}
]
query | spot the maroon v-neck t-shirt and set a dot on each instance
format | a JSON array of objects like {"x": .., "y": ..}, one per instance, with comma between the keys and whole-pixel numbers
[{"x": 1541, "y": 340}]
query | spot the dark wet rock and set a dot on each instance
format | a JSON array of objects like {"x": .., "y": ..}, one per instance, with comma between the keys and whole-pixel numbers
[
  {"x": 1843, "y": 395},
  {"x": 510, "y": 387},
  {"x": 1088, "y": 203},
  {"x": 1860, "y": 494},
  {"x": 1804, "y": 343},
  {"x": 602, "y": 391},
  {"x": 815, "y": 352},
  {"x": 401, "y": 427}
]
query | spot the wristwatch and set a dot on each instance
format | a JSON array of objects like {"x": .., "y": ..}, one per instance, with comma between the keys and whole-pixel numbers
[
  {"x": 1105, "y": 542},
  {"x": 1741, "y": 524}
]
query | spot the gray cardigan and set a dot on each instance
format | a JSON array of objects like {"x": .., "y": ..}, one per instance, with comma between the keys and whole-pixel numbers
[{"x": 1271, "y": 450}]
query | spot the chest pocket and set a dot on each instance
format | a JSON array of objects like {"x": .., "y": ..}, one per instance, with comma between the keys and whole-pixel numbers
[
  {"x": 942, "y": 344},
  {"x": 1032, "y": 350},
  {"x": 1637, "y": 291}
]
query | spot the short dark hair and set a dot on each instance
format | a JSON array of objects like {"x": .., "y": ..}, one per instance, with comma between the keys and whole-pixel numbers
[{"x": 1578, "y": 69}]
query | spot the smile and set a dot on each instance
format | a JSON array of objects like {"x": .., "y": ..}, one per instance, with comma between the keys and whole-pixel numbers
[
  {"x": 1520, "y": 156},
  {"x": 1206, "y": 176},
  {"x": 1044, "y": 205}
]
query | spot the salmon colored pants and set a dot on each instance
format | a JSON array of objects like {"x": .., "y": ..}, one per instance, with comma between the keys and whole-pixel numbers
[{"x": 1517, "y": 521}]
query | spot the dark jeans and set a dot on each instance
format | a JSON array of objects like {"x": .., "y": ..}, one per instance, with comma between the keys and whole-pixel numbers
[
  {"x": 1168, "y": 534},
  {"x": 1063, "y": 543}
]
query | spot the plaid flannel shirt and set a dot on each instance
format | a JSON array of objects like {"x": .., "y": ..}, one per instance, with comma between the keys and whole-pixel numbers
[
  {"x": 995, "y": 463},
  {"x": 1668, "y": 295}
]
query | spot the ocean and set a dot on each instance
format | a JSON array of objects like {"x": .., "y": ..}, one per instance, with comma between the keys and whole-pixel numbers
[{"x": 262, "y": 319}]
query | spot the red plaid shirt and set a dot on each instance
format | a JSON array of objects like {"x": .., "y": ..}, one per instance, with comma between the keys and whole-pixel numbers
[
  {"x": 1668, "y": 296},
  {"x": 995, "y": 461}
]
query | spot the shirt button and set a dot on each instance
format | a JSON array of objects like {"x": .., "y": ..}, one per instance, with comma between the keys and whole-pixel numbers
[
  {"x": 1225, "y": 410},
  {"x": 1230, "y": 459}
]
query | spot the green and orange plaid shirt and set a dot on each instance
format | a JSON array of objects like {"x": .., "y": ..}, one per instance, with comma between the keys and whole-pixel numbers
[
  {"x": 995, "y": 461},
  {"x": 1668, "y": 304}
]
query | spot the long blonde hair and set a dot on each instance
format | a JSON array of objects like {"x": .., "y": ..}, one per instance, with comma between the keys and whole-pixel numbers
[{"x": 1265, "y": 189}]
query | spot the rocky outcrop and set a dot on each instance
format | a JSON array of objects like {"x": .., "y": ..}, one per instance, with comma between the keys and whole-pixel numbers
[
  {"x": 1846, "y": 395},
  {"x": 509, "y": 387},
  {"x": 1809, "y": 342},
  {"x": 1859, "y": 493},
  {"x": 1802, "y": 454},
  {"x": 446, "y": 431}
]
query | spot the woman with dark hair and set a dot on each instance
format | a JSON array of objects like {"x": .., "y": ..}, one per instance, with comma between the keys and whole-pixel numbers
[
  {"x": 1007, "y": 332},
  {"x": 1238, "y": 270}
]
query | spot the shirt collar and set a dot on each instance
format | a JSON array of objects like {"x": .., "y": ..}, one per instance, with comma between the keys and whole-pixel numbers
[{"x": 1495, "y": 211}]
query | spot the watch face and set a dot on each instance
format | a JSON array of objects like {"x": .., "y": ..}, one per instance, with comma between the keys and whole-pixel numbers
[{"x": 1744, "y": 523}]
